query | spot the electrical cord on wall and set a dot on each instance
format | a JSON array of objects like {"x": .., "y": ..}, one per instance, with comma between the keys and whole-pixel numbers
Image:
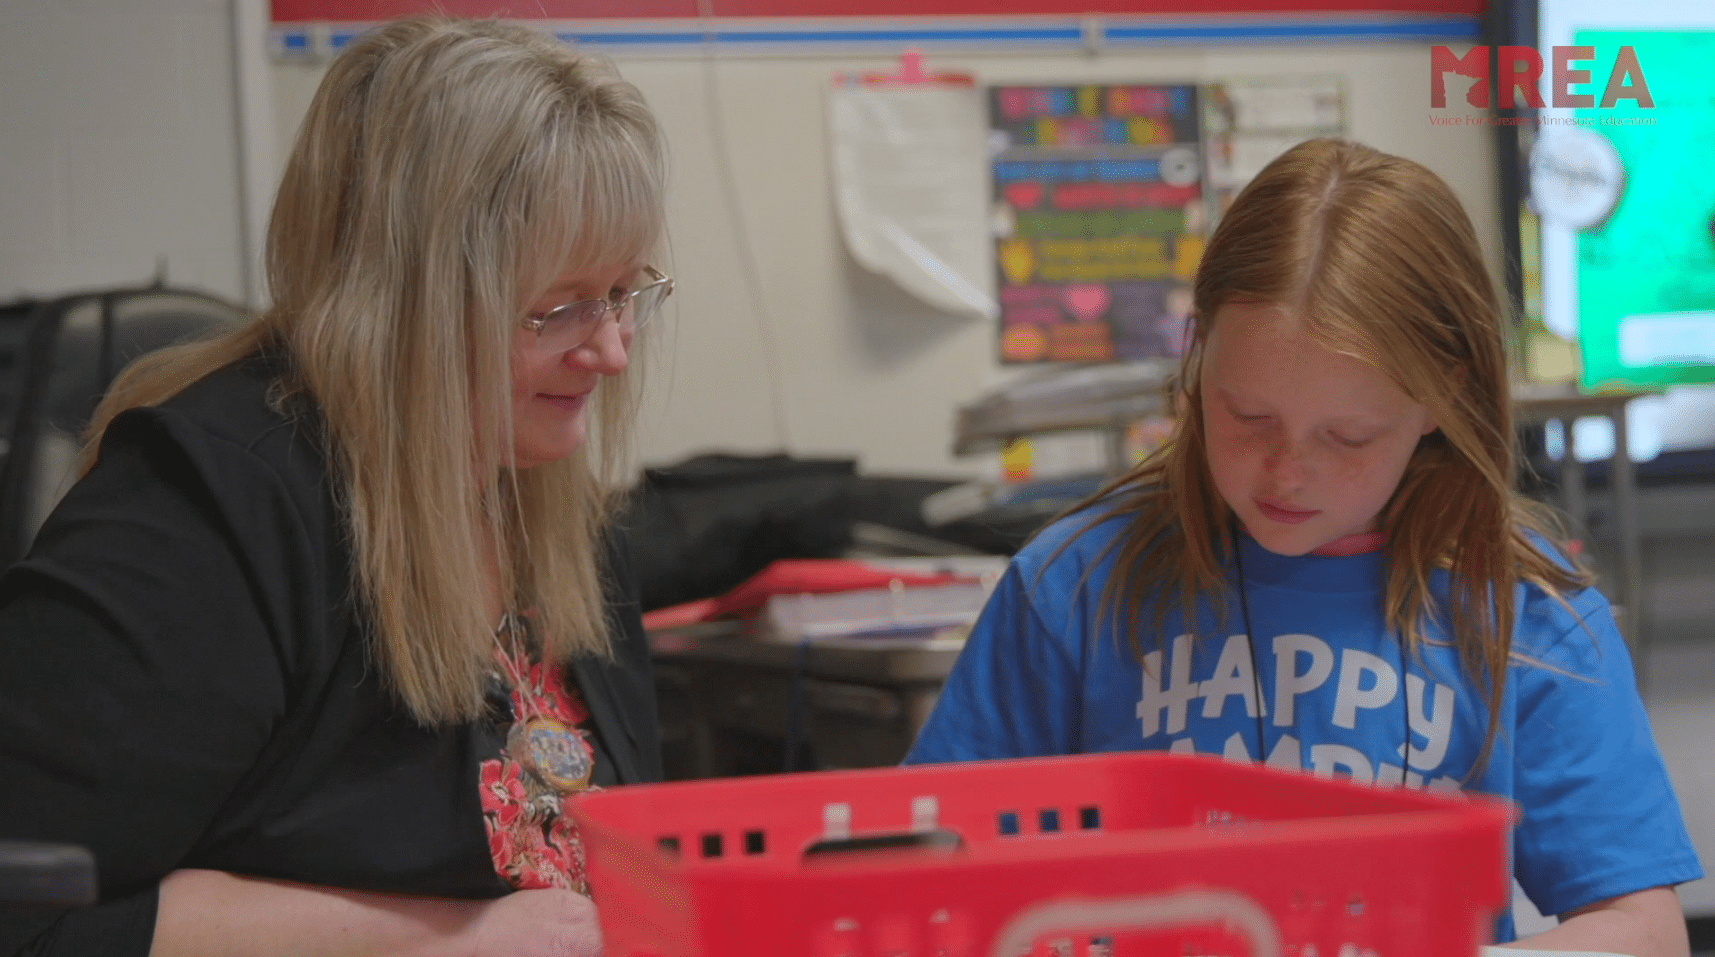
[{"x": 748, "y": 269}]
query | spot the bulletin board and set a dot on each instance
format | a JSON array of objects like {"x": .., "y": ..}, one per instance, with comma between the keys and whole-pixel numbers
[
  {"x": 1098, "y": 193},
  {"x": 1104, "y": 196}
]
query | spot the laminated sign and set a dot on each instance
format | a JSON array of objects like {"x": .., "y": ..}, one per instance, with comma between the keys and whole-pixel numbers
[{"x": 907, "y": 150}]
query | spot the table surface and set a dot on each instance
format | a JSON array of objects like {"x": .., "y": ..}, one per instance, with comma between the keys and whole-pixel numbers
[
  {"x": 888, "y": 660},
  {"x": 1543, "y": 401}
]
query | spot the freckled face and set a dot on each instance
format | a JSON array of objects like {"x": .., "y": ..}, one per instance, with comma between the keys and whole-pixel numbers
[
  {"x": 551, "y": 389},
  {"x": 1305, "y": 444}
]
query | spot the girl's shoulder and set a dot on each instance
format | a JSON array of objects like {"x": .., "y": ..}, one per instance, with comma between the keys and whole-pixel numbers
[
  {"x": 1078, "y": 539},
  {"x": 1567, "y": 629},
  {"x": 1067, "y": 564}
]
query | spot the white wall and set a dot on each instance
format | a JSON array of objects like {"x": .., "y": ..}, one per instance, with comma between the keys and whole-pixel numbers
[
  {"x": 117, "y": 145},
  {"x": 867, "y": 370},
  {"x": 821, "y": 357}
]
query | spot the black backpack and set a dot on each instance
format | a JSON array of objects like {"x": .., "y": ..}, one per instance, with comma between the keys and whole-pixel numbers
[{"x": 57, "y": 359}]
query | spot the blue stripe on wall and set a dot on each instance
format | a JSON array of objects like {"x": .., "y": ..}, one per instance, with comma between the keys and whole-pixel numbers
[
  {"x": 1463, "y": 28},
  {"x": 819, "y": 37},
  {"x": 298, "y": 39}
]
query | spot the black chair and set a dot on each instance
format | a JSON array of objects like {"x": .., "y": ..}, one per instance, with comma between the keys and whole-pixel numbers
[{"x": 57, "y": 359}]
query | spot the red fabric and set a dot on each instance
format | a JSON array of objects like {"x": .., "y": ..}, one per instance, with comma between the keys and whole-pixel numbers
[
  {"x": 531, "y": 836},
  {"x": 298, "y": 11},
  {"x": 791, "y": 576},
  {"x": 1354, "y": 544}
]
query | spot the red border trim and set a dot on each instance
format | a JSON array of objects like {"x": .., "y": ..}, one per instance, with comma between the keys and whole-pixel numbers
[{"x": 299, "y": 11}]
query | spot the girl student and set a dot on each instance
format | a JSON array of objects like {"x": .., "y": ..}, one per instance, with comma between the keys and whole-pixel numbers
[{"x": 1328, "y": 568}]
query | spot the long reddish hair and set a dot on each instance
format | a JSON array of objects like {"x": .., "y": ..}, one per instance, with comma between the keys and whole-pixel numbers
[{"x": 1377, "y": 256}]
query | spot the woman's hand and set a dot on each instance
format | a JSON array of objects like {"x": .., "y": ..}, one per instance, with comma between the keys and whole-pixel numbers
[{"x": 536, "y": 923}]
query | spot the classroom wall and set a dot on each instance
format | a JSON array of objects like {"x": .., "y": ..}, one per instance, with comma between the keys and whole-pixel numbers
[
  {"x": 820, "y": 357},
  {"x": 121, "y": 149},
  {"x": 117, "y": 146}
]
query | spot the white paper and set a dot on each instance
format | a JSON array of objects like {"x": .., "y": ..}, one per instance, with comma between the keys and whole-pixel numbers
[
  {"x": 1286, "y": 104},
  {"x": 910, "y": 189},
  {"x": 1265, "y": 118}
]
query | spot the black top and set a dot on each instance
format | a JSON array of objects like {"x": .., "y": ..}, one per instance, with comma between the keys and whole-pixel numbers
[{"x": 183, "y": 683}]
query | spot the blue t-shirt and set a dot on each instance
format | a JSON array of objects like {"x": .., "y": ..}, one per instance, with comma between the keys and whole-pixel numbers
[{"x": 1048, "y": 670}]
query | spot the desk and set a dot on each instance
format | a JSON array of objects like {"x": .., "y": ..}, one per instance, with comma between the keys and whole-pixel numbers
[
  {"x": 854, "y": 702},
  {"x": 1535, "y": 404}
]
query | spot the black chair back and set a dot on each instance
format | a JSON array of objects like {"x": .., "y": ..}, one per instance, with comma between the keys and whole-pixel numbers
[{"x": 57, "y": 359}]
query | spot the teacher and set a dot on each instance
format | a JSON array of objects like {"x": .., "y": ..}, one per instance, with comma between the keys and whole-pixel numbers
[{"x": 334, "y": 622}]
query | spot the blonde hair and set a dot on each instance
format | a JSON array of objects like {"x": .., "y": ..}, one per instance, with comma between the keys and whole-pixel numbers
[
  {"x": 1377, "y": 256},
  {"x": 447, "y": 172}
]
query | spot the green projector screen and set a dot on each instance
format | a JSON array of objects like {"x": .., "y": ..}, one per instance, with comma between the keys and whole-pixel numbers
[{"x": 1646, "y": 276}]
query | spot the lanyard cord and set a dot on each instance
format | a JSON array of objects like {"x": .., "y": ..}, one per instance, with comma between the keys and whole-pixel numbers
[
  {"x": 1250, "y": 646},
  {"x": 1256, "y": 674},
  {"x": 516, "y": 672}
]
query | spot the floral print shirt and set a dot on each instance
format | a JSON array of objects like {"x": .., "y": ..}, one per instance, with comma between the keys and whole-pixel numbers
[{"x": 533, "y": 840}]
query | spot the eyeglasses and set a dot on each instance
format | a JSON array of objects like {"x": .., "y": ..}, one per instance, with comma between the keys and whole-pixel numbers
[{"x": 564, "y": 328}]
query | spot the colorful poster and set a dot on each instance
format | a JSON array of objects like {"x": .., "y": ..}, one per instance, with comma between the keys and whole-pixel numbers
[{"x": 1098, "y": 219}]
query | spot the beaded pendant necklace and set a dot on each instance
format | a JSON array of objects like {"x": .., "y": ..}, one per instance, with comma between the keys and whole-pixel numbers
[{"x": 550, "y": 751}]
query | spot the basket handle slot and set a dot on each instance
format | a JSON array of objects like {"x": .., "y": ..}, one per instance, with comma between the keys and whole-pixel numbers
[
  {"x": 939, "y": 841},
  {"x": 926, "y": 832},
  {"x": 1119, "y": 914}
]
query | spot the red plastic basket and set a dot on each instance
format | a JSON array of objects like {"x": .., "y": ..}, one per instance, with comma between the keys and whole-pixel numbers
[{"x": 1128, "y": 855}]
